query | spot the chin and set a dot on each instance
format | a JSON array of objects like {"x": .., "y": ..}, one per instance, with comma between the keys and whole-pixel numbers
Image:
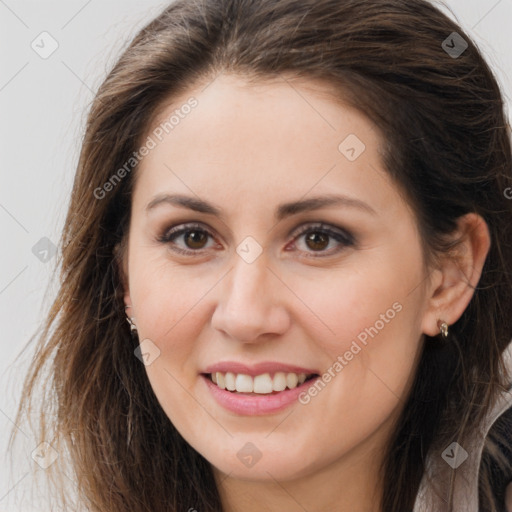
[{"x": 275, "y": 467}]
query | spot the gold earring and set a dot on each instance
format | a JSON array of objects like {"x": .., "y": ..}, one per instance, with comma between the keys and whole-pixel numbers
[{"x": 443, "y": 328}]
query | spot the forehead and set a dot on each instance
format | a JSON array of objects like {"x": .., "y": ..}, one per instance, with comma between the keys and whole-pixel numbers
[{"x": 253, "y": 141}]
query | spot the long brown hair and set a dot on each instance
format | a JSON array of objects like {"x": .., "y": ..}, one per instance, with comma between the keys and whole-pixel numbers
[{"x": 447, "y": 146}]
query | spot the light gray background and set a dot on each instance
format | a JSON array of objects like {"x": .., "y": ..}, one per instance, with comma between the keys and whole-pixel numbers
[{"x": 42, "y": 105}]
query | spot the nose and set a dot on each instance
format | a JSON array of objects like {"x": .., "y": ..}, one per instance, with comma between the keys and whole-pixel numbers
[{"x": 252, "y": 303}]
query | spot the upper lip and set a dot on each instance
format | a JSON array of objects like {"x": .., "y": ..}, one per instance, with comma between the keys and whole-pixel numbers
[{"x": 257, "y": 369}]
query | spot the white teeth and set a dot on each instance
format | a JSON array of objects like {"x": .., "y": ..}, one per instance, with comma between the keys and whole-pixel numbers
[
  {"x": 260, "y": 384},
  {"x": 292, "y": 380},
  {"x": 230, "y": 381},
  {"x": 244, "y": 383},
  {"x": 220, "y": 380},
  {"x": 263, "y": 384},
  {"x": 279, "y": 381}
]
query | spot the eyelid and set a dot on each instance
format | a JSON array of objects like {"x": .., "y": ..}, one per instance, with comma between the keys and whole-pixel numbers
[
  {"x": 322, "y": 226},
  {"x": 181, "y": 228}
]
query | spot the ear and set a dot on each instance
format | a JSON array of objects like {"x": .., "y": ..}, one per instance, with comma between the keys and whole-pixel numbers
[{"x": 454, "y": 281}]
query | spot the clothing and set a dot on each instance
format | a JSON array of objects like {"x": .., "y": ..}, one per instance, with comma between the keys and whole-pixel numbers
[
  {"x": 501, "y": 479},
  {"x": 466, "y": 481}
]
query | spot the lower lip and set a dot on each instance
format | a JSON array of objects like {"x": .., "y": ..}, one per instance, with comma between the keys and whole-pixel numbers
[{"x": 254, "y": 405}]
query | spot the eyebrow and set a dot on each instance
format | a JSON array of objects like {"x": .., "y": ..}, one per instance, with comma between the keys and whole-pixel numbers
[{"x": 282, "y": 211}]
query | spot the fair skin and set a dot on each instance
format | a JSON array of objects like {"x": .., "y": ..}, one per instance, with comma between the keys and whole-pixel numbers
[{"x": 247, "y": 149}]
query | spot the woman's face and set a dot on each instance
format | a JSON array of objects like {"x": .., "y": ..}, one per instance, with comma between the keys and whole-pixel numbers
[{"x": 304, "y": 259}]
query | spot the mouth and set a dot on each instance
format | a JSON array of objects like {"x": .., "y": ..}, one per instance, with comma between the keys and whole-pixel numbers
[{"x": 262, "y": 384}]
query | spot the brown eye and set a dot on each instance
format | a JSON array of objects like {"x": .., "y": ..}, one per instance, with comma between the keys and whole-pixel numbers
[
  {"x": 195, "y": 239},
  {"x": 322, "y": 239},
  {"x": 186, "y": 239},
  {"x": 317, "y": 241}
]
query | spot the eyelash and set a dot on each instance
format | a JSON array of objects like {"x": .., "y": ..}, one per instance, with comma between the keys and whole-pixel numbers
[{"x": 341, "y": 236}]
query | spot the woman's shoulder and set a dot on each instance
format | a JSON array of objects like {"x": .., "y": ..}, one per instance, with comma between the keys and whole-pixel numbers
[
  {"x": 490, "y": 444},
  {"x": 498, "y": 456}
]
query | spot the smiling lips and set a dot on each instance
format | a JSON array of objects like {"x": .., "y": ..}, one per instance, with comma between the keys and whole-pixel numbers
[
  {"x": 260, "y": 384},
  {"x": 263, "y": 378}
]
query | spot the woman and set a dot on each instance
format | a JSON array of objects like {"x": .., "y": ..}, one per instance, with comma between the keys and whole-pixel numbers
[{"x": 287, "y": 267}]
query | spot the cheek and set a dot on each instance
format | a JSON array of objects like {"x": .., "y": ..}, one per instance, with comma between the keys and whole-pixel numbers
[
  {"x": 168, "y": 302},
  {"x": 368, "y": 326},
  {"x": 171, "y": 313},
  {"x": 359, "y": 305},
  {"x": 370, "y": 356}
]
